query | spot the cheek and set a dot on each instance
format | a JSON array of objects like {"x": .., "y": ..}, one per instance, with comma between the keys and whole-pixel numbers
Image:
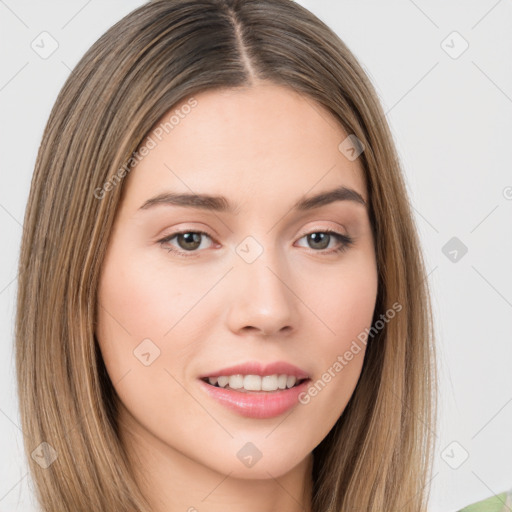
[
  {"x": 149, "y": 320},
  {"x": 344, "y": 300},
  {"x": 345, "y": 304},
  {"x": 130, "y": 300},
  {"x": 142, "y": 339},
  {"x": 140, "y": 298}
]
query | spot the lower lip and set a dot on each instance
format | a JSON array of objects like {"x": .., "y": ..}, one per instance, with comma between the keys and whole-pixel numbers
[{"x": 257, "y": 404}]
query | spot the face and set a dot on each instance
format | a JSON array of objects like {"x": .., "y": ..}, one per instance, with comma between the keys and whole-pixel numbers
[{"x": 259, "y": 278}]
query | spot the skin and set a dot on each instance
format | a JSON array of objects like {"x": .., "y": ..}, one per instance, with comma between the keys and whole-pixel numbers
[{"x": 263, "y": 148}]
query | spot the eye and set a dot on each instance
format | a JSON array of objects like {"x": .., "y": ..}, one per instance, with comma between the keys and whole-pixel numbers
[
  {"x": 320, "y": 240},
  {"x": 188, "y": 242}
]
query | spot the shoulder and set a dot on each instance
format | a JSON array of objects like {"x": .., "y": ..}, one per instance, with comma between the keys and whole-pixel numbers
[{"x": 499, "y": 503}]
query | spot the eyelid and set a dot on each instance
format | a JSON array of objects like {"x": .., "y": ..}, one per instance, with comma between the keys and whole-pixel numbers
[
  {"x": 174, "y": 234},
  {"x": 321, "y": 229},
  {"x": 187, "y": 229}
]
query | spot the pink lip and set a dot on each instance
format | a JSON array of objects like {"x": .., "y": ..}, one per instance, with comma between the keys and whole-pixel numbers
[
  {"x": 256, "y": 404},
  {"x": 255, "y": 368}
]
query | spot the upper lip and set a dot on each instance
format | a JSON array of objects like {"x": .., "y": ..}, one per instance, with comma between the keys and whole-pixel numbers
[{"x": 256, "y": 368}]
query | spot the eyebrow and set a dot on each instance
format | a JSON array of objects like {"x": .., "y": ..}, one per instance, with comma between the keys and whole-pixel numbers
[{"x": 222, "y": 205}]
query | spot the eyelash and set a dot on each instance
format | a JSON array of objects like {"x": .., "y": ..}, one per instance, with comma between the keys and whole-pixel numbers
[{"x": 345, "y": 242}]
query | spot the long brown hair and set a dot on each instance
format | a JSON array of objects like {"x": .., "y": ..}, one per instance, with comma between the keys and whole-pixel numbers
[{"x": 378, "y": 455}]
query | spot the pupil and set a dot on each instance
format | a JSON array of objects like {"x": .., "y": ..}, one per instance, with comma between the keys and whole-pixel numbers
[
  {"x": 190, "y": 238},
  {"x": 324, "y": 239}
]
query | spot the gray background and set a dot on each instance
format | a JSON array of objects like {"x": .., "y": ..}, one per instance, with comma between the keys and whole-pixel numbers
[{"x": 450, "y": 112}]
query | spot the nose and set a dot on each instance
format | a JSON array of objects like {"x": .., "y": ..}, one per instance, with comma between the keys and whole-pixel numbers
[{"x": 262, "y": 300}]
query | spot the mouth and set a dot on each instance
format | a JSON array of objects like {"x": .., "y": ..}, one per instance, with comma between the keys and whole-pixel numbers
[
  {"x": 255, "y": 396},
  {"x": 255, "y": 389},
  {"x": 255, "y": 383}
]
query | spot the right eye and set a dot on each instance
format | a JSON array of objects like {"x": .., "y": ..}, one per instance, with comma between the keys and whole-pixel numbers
[{"x": 188, "y": 241}]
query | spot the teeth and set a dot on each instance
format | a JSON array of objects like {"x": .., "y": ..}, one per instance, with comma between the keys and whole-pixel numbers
[
  {"x": 236, "y": 381},
  {"x": 269, "y": 383},
  {"x": 254, "y": 382},
  {"x": 223, "y": 381},
  {"x": 290, "y": 381}
]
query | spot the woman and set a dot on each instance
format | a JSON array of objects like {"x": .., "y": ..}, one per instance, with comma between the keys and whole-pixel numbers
[{"x": 222, "y": 300}]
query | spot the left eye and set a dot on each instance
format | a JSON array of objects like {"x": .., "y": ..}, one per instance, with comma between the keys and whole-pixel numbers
[
  {"x": 321, "y": 240},
  {"x": 190, "y": 241}
]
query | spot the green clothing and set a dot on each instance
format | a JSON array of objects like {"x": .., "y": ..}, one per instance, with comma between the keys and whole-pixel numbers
[{"x": 498, "y": 503}]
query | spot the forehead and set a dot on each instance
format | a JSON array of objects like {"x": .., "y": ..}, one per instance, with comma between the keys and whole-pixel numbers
[{"x": 255, "y": 144}]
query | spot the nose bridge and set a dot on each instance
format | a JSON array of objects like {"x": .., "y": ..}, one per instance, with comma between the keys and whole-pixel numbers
[{"x": 262, "y": 298}]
